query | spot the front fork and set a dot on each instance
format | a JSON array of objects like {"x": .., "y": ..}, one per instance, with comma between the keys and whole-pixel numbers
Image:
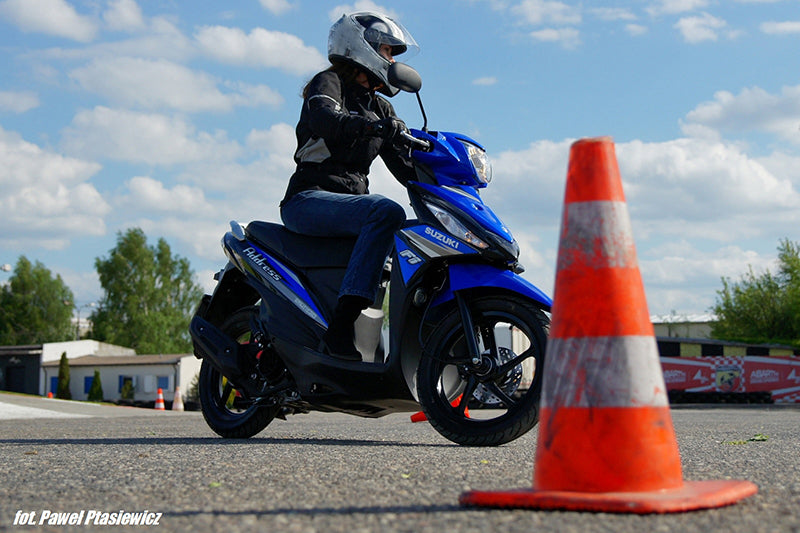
[{"x": 469, "y": 328}]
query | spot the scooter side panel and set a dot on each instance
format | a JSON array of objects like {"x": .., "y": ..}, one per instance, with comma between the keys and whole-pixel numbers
[
  {"x": 468, "y": 276},
  {"x": 273, "y": 274}
]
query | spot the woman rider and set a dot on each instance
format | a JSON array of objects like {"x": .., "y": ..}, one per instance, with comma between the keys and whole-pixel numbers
[{"x": 344, "y": 125}]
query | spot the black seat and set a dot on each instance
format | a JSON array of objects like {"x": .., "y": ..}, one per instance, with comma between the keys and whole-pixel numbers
[{"x": 301, "y": 250}]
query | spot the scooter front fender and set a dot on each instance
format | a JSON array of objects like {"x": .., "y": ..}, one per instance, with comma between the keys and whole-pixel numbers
[{"x": 465, "y": 276}]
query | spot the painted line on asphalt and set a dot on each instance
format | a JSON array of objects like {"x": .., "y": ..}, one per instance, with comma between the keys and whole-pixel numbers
[{"x": 10, "y": 411}]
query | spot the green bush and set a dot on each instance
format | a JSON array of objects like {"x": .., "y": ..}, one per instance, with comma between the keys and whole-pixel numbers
[
  {"x": 127, "y": 390},
  {"x": 193, "y": 394},
  {"x": 96, "y": 390},
  {"x": 63, "y": 379}
]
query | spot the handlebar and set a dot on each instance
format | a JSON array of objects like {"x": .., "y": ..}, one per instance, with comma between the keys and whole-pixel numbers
[{"x": 421, "y": 144}]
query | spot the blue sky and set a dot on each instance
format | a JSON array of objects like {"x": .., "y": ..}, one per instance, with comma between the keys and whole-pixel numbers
[{"x": 177, "y": 116}]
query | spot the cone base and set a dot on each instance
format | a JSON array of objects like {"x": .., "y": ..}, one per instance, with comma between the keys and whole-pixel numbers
[{"x": 692, "y": 496}]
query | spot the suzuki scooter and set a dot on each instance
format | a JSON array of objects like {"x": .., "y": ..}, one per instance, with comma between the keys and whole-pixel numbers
[{"x": 466, "y": 333}]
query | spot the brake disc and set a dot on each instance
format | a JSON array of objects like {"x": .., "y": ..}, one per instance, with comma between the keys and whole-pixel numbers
[{"x": 508, "y": 383}]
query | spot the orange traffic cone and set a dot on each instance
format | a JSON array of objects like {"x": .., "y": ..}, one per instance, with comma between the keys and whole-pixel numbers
[
  {"x": 50, "y": 394},
  {"x": 159, "y": 401},
  {"x": 420, "y": 416},
  {"x": 177, "y": 401},
  {"x": 606, "y": 441}
]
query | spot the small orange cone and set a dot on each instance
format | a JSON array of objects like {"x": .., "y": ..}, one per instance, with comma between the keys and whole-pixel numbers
[
  {"x": 177, "y": 401},
  {"x": 50, "y": 394},
  {"x": 159, "y": 401},
  {"x": 606, "y": 441},
  {"x": 420, "y": 416}
]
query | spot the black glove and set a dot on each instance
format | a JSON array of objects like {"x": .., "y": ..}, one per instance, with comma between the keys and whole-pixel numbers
[{"x": 388, "y": 128}]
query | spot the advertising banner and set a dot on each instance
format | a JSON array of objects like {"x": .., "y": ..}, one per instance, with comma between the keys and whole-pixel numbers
[{"x": 777, "y": 375}]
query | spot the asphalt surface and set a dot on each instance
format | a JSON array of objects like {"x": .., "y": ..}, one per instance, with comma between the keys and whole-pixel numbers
[{"x": 331, "y": 473}]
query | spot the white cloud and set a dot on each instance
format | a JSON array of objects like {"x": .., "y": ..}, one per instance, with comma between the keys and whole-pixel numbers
[
  {"x": 703, "y": 189},
  {"x": 680, "y": 275},
  {"x": 159, "y": 84},
  {"x": 160, "y": 39},
  {"x": 51, "y": 17},
  {"x": 538, "y": 12},
  {"x": 361, "y": 5},
  {"x": 278, "y": 138},
  {"x": 566, "y": 37},
  {"x": 259, "y": 48},
  {"x": 700, "y": 28},
  {"x": 266, "y": 161},
  {"x": 690, "y": 200},
  {"x": 246, "y": 95},
  {"x": 613, "y": 13},
  {"x": 276, "y": 7},
  {"x": 485, "y": 81},
  {"x": 636, "y": 29},
  {"x": 45, "y": 195},
  {"x": 780, "y": 28},
  {"x": 687, "y": 188},
  {"x": 18, "y": 102},
  {"x": 542, "y": 165},
  {"x": 148, "y": 194},
  {"x": 753, "y": 109},
  {"x": 783, "y": 164},
  {"x": 154, "y": 139},
  {"x": 276, "y": 147},
  {"x": 672, "y": 7},
  {"x": 123, "y": 15},
  {"x": 199, "y": 237}
]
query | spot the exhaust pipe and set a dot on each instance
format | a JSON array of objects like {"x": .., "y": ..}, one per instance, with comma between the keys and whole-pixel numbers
[{"x": 212, "y": 344}]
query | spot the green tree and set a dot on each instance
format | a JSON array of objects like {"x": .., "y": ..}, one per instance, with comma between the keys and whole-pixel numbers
[
  {"x": 63, "y": 391},
  {"x": 193, "y": 394},
  {"x": 762, "y": 308},
  {"x": 149, "y": 296},
  {"x": 96, "y": 390},
  {"x": 35, "y": 307},
  {"x": 127, "y": 390}
]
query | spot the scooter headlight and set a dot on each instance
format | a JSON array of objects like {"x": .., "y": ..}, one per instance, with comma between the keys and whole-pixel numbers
[
  {"x": 456, "y": 228},
  {"x": 480, "y": 162}
]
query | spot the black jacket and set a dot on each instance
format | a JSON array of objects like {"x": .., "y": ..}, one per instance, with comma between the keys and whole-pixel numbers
[{"x": 333, "y": 154}]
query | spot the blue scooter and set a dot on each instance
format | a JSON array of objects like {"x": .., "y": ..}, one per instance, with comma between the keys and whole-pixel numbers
[{"x": 466, "y": 333}]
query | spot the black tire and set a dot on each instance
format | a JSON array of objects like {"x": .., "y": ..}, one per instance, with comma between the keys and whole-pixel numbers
[
  {"x": 446, "y": 390},
  {"x": 227, "y": 412}
]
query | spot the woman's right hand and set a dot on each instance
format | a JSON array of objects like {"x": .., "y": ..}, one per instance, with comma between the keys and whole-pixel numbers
[{"x": 390, "y": 128}]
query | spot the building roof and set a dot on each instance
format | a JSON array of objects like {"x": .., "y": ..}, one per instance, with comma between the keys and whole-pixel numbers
[
  {"x": 122, "y": 360},
  {"x": 51, "y": 351},
  {"x": 673, "y": 318},
  {"x": 718, "y": 342},
  {"x": 31, "y": 349}
]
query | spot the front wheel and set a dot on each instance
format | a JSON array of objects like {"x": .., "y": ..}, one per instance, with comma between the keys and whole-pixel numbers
[
  {"x": 225, "y": 409},
  {"x": 496, "y": 401}
]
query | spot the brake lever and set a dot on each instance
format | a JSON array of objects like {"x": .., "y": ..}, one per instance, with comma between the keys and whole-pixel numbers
[{"x": 421, "y": 144}]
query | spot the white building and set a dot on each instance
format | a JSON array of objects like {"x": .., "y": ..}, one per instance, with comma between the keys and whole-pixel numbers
[
  {"x": 687, "y": 326},
  {"x": 21, "y": 366},
  {"x": 145, "y": 373}
]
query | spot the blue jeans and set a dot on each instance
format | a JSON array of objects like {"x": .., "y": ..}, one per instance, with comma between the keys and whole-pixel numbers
[{"x": 371, "y": 218}]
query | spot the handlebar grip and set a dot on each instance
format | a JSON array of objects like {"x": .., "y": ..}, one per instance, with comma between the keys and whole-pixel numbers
[{"x": 424, "y": 145}]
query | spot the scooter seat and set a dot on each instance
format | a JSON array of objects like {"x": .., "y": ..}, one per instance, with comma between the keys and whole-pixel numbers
[{"x": 302, "y": 250}]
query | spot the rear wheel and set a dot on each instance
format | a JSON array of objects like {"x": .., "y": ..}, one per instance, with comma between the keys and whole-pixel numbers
[
  {"x": 496, "y": 401},
  {"x": 226, "y": 409}
]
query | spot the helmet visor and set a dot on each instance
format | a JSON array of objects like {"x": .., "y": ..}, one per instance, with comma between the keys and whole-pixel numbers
[{"x": 385, "y": 31}]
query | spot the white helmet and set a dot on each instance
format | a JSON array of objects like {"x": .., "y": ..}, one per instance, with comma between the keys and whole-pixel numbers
[{"x": 356, "y": 38}]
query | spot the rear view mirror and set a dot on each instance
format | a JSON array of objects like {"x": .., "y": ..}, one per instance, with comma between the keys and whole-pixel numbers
[{"x": 404, "y": 78}]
